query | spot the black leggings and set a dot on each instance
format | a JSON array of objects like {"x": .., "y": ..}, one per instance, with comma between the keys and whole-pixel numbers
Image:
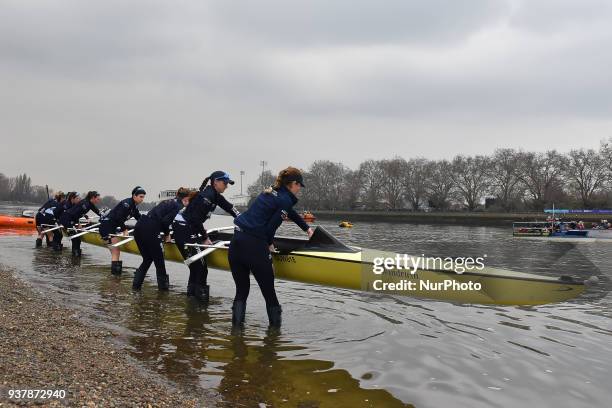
[
  {"x": 198, "y": 271},
  {"x": 106, "y": 228},
  {"x": 146, "y": 235},
  {"x": 67, "y": 223},
  {"x": 250, "y": 254}
]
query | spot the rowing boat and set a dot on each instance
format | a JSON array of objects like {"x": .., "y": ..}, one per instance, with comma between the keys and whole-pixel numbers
[
  {"x": 323, "y": 260},
  {"x": 8, "y": 221}
]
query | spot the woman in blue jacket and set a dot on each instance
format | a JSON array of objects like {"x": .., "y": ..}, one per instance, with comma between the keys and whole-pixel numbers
[
  {"x": 252, "y": 245},
  {"x": 147, "y": 234},
  {"x": 113, "y": 223},
  {"x": 188, "y": 227}
]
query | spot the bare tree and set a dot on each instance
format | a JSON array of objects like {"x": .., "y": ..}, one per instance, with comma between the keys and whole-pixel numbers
[
  {"x": 441, "y": 184},
  {"x": 5, "y": 187},
  {"x": 265, "y": 179},
  {"x": 470, "y": 175},
  {"x": 391, "y": 185},
  {"x": 416, "y": 178},
  {"x": 587, "y": 173},
  {"x": 21, "y": 188},
  {"x": 108, "y": 201},
  {"x": 325, "y": 183},
  {"x": 542, "y": 174},
  {"x": 371, "y": 177},
  {"x": 605, "y": 151},
  {"x": 351, "y": 193},
  {"x": 505, "y": 180}
]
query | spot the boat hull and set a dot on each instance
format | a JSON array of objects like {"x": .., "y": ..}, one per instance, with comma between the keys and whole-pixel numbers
[
  {"x": 7, "y": 221},
  {"x": 351, "y": 270}
]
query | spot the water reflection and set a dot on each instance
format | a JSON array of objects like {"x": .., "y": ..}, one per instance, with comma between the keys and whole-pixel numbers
[{"x": 341, "y": 348}]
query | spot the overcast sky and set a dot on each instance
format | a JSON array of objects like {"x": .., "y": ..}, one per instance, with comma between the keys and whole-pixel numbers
[{"x": 109, "y": 94}]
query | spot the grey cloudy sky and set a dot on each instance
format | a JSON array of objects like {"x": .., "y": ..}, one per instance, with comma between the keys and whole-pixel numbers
[{"x": 110, "y": 94}]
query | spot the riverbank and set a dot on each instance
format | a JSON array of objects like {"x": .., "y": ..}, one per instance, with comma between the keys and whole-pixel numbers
[
  {"x": 47, "y": 347},
  {"x": 453, "y": 218}
]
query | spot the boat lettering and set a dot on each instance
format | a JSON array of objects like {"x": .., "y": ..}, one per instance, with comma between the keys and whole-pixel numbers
[{"x": 285, "y": 258}]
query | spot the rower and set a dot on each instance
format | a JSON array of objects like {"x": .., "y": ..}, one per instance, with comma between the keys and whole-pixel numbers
[
  {"x": 72, "y": 198},
  {"x": 188, "y": 228},
  {"x": 45, "y": 217},
  {"x": 147, "y": 234},
  {"x": 71, "y": 216},
  {"x": 253, "y": 242},
  {"x": 114, "y": 222}
]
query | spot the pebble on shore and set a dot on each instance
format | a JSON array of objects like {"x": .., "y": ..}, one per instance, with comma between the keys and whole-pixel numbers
[{"x": 43, "y": 346}]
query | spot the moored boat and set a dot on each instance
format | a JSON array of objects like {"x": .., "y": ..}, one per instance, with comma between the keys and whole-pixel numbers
[
  {"x": 9, "y": 221},
  {"x": 531, "y": 229},
  {"x": 323, "y": 260}
]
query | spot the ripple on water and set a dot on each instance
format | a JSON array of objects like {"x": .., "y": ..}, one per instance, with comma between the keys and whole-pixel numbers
[{"x": 341, "y": 348}]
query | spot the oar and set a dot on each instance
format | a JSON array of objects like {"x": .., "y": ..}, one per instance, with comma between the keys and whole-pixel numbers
[
  {"x": 208, "y": 250},
  {"x": 85, "y": 231},
  {"x": 120, "y": 235},
  {"x": 51, "y": 229},
  {"x": 122, "y": 242},
  {"x": 221, "y": 229}
]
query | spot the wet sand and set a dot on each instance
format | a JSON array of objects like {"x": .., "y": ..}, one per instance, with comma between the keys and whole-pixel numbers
[{"x": 46, "y": 346}]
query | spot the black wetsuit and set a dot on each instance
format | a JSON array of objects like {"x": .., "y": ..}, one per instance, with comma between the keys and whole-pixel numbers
[
  {"x": 57, "y": 213},
  {"x": 188, "y": 228},
  {"x": 71, "y": 216},
  {"x": 147, "y": 236},
  {"x": 114, "y": 221},
  {"x": 46, "y": 213},
  {"x": 249, "y": 250}
]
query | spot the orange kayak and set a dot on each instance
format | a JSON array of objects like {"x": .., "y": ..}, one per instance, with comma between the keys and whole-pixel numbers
[{"x": 8, "y": 221}]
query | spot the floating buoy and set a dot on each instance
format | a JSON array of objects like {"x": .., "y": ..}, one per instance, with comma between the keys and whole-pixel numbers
[{"x": 345, "y": 224}]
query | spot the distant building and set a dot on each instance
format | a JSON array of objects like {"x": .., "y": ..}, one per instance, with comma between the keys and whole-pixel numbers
[
  {"x": 240, "y": 200},
  {"x": 166, "y": 194}
]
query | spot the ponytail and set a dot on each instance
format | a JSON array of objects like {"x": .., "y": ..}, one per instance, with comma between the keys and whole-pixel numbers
[
  {"x": 284, "y": 177},
  {"x": 59, "y": 196},
  {"x": 91, "y": 194},
  {"x": 182, "y": 192},
  {"x": 191, "y": 195},
  {"x": 204, "y": 183}
]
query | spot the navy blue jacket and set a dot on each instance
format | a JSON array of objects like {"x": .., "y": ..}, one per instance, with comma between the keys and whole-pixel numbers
[
  {"x": 202, "y": 205},
  {"x": 266, "y": 214},
  {"x": 74, "y": 213},
  {"x": 165, "y": 212},
  {"x": 50, "y": 205},
  {"x": 59, "y": 210},
  {"x": 122, "y": 212}
]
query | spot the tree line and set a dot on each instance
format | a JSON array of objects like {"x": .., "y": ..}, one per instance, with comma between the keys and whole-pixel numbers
[
  {"x": 507, "y": 180},
  {"x": 21, "y": 189}
]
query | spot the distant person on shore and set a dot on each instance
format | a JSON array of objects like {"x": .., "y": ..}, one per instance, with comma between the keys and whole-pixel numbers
[
  {"x": 113, "y": 223},
  {"x": 253, "y": 243},
  {"x": 45, "y": 218},
  {"x": 147, "y": 234},
  {"x": 71, "y": 217},
  {"x": 188, "y": 226}
]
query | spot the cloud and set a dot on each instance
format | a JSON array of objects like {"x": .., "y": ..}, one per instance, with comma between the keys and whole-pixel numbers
[{"x": 163, "y": 92}]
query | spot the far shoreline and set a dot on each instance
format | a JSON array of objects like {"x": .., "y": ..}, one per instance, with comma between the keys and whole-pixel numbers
[{"x": 451, "y": 218}]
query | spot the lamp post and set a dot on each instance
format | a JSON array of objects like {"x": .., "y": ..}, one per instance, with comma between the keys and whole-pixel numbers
[
  {"x": 241, "y": 174},
  {"x": 263, "y": 169}
]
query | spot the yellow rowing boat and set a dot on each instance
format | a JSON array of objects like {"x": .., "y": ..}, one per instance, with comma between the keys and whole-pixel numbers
[{"x": 323, "y": 260}]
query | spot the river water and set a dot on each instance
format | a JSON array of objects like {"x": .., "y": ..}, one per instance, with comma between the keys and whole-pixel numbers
[{"x": 339, "y": 348}]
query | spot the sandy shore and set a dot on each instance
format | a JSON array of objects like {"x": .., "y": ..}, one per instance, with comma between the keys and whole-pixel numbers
[{"x": 44, "y": 346}]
